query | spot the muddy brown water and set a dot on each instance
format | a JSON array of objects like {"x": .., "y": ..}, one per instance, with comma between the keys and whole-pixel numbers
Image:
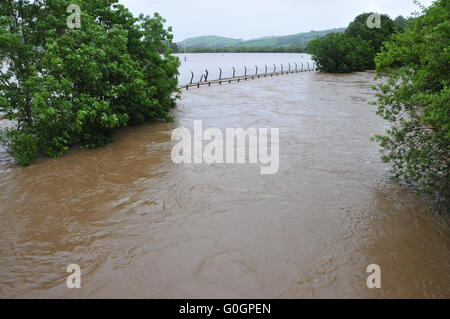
[{"x": 140, "y": 226}]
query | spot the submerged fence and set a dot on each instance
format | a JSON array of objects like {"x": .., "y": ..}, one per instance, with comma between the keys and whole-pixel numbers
[{"x": 204, "y": 80}]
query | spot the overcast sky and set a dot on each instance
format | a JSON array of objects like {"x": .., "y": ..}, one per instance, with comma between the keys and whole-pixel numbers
[{"x": 248, "y": 19}]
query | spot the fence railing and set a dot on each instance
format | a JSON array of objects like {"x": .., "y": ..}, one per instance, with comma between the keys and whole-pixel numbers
[{"x": 204, "y": 77}]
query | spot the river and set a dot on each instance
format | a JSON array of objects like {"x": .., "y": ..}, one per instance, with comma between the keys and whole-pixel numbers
[
  {"x": 213, "y": 62},
  {"x": 141, "y": 226}
]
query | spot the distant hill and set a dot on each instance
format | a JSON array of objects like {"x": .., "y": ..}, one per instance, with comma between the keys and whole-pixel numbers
[
  {"x": 295, "y": 40},
  {"x": 208, "y": 41}
]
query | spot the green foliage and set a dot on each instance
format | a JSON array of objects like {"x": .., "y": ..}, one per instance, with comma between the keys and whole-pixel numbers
[
  {"x": 174, "y": 47},
  {"x": 400, "y": 23},
  {"x": 415, "y": 98},
  {"x": 21, "y": 145},
  {"x": 68, "y": 87},
  {"x": 353, "y": 51},
  {"x": 340, "y": 53},
  {"x": 208, "y": 41},
  {"x": 376, "y": 36}
]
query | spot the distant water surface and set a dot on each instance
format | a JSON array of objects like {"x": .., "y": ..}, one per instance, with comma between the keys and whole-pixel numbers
[{"x": 199, "y": 62}]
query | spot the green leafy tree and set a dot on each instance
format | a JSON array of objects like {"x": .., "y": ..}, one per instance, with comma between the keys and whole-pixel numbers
[
  {"x": 174, "y": 47},
  {"x": 358, "y": 28},
  {"x": 400, "y": 23},
  {"x": 354, "y": 50},
  {"x": 66, "y": 87},
  {"x": 340, "y": 53},
  {"x": 415, "y": 98}
]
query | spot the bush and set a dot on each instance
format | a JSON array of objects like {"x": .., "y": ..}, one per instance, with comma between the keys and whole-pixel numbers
[
  {"x": 69, "y": 87},
  {"x": 415, "y": 98},
  {"x": 21, "y": 145},
  {"x": 340, "y": 53}
]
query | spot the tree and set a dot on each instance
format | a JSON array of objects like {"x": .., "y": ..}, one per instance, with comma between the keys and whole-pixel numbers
[
  {"x": 340, "y": 53},
  {"x": 376, "y": 36},
  {"x": 68, "y": 87},
  {"x": 400, "y": 23},
  {"x": 415, "y": 98},
  {"x": 354, "y": 50},
  {"x": 174, "y": 47},
  {"x": 358, "y": 28}
]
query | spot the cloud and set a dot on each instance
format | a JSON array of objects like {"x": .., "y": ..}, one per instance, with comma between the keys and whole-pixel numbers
[{"x": 249, "y": 19}]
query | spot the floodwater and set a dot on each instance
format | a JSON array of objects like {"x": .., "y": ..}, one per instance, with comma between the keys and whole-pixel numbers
[
  {"x": 141, "y": 226},
  {"x": 213, "y": 62}
]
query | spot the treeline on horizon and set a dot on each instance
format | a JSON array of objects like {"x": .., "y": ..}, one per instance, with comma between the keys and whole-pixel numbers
[{"x": 232, "y": 49}]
